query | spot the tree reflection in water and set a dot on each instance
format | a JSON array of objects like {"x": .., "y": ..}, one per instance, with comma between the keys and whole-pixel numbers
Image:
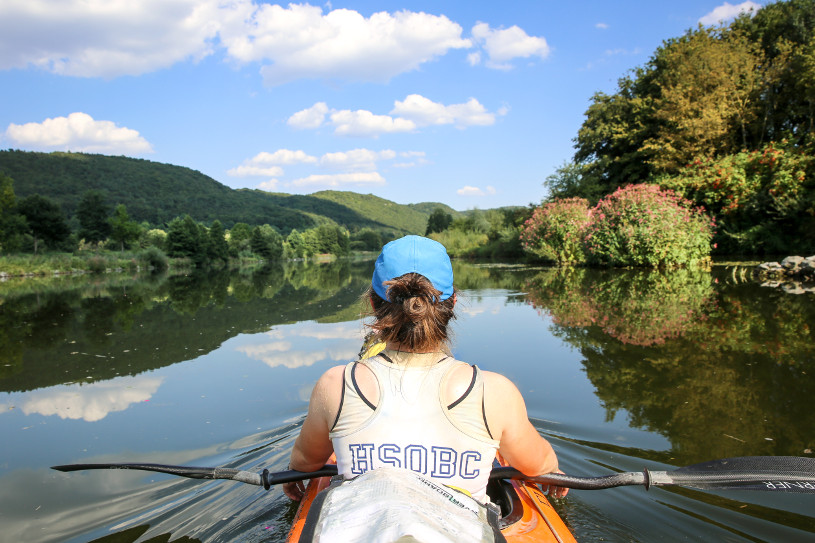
[{"x": 719, "y": 369}]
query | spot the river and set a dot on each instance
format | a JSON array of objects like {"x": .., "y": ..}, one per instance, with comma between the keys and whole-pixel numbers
[{"x": 621, "y": 371}]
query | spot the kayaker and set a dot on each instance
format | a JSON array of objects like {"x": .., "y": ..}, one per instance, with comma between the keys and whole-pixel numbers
[{"x": 413, "y": 405}]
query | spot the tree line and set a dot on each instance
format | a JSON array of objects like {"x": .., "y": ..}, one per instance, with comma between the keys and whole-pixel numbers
[
  {"x": 724, "y": 117},
  {"x": 36, "y": 223}
]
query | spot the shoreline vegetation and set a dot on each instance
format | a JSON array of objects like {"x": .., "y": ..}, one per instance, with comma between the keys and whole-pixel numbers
[{"x": 708, "y": 149}]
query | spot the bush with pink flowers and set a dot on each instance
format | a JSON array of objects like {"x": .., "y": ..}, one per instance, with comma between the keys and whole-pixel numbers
[
  {"x": 554, "y": 232},
  {"x": 643, "y": 225}
]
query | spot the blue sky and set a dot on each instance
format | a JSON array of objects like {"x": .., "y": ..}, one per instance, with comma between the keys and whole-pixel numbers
[{"x": 472, "y": 104}]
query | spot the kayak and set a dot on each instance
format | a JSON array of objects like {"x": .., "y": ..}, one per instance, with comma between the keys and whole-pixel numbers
[{"x": 526, "y": 513}]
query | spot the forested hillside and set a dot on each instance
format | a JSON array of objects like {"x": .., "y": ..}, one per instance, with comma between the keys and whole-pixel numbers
[{"x": 158, "y": 193}]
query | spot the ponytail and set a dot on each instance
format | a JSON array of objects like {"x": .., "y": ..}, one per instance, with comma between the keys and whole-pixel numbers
[{"x": 417, "y": 318}]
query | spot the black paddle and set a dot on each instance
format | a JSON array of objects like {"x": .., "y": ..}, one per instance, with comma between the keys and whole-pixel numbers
[{"x": 771, "y": 473}]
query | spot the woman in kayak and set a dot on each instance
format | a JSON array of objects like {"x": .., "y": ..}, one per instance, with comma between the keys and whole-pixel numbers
[{"x": 414, "y": 406}]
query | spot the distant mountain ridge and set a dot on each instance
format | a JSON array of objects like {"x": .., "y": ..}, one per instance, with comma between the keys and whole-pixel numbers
[{"x": 157, "y": 193}]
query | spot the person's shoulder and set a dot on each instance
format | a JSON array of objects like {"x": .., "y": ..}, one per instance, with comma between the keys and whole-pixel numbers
[
  {"x": 331, "y": 376},
  {"x": 499, "y": 385}
]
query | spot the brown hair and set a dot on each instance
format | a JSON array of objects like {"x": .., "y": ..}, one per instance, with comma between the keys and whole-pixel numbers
[{"x": 415, "y": 318}]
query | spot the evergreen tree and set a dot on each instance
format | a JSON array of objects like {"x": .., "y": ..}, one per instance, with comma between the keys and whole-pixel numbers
[
  {"x": 218, "y": 248},
  {"x": 266, "y": 242},
  {"x": 123, "y": 230},
  {"x": 439, "y": 221},
  {"x": 186, "y": 238},
  {"x": 93, "y": 217},
  {"x": 45, "y": 220},
  {"x": 239, "y": 236},
  {"x": 12, "y": 224}
]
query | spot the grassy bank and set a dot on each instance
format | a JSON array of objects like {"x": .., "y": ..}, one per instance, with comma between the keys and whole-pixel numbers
[{"x": 77, "y": 263}]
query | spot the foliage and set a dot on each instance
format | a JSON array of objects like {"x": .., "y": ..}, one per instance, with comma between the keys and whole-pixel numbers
[
  {"x": 93, "y": 217},
  {"x": 636, "y": 307},
  {"x": 12, "y": 224},
  {"x": 706, "y": 83},
  {"x": 122, "y": 229},
  {"x": 158, "y": 193},
  {"x": 186, "y": 238},
  {"x": 266, "y": 242},
  {"x": 642, "y": 225},
  {"x": 438, "y": 221},
  {"x": 366, "y": 239},
  {"x": 217, "y": 247},
  {"x": 460, "y": 243},
  {"x": 571, "y": 180},
  {"x": 154, "y": 237},
  {"x": 155, "y": 259},
  {"x": 709, "y": 96},
  {"x": 554, "y": 232},
  {"x": 45, "y": 220},
  {"x": 238, "y": 239},
  {"x": 762, "y": 198}
]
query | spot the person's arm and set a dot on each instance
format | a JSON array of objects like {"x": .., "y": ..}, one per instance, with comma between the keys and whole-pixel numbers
[
  {"x": 313, "y": 448},
  {"x": 519, "y": 442}
]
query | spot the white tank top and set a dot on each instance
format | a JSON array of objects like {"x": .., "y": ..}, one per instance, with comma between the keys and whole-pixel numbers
[{"x": 411, "y": 428}]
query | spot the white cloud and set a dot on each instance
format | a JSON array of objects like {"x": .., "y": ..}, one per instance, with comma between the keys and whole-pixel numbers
[
  {"x": 356, "y": 159},
  {"x": 246, "y": 170},
  {"x": 266, "y": 164},
  {"x": 312, "y": 117},
  {"x": 424, "y": 112},
  {"x": 365, "y": 123},
  {"x": 300, "y": 41},
  {"x": 107, "y": 38},
  {"x": 506, "y": 44},
  {"x": 468, "y": 190},
  {"x": 728, "y": 11},
  {"x": 270, "y": 185},
  {"x": 284, "y": 157},
  {"x": 414, "y": 112},
  {"x": 342, "y": 179},
  {"x": 601, "y": 26},
  {"x": 90, "y": 402},
  {"x": 103, "y": 38},
  {"x": 78, "y": 132}
]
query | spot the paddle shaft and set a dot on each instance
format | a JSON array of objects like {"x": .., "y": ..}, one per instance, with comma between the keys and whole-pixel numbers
[{"x": 768, "y": 473}]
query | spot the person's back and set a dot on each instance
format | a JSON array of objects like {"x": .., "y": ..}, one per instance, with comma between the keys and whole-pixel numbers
[{"x": 413, "y": 406}]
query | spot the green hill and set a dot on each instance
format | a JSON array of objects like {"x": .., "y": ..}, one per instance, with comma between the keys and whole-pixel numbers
[{"x": 157, "y": 193}]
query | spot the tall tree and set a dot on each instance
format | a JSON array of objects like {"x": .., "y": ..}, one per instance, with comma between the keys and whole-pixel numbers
[
  {"x": 45, "y": 220},
  {"x": 708, "y": 82},
  {"x": 123, "y": 230},
  {"x": 186, "y": 238},
  {"x": 12, "y": 224},
  {"x": 217, "y": 246},
  {"x": 438, "y": 221},
  {"x": 266, "y": 242},
  {"x": 93, "y": 215}
]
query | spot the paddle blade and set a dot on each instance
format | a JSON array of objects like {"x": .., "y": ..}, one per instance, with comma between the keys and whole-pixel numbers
[{"x": 769, "y": 473}]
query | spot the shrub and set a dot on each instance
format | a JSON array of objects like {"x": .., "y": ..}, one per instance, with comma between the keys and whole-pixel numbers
[
  {"x": 154, "y": 258},
  {"x": 642, "y": 225},
  {"x": 97, "y": 264},
  {"x": 555, "y": 231}
]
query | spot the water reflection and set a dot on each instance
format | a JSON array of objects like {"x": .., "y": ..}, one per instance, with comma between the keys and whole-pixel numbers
[
  {"x": 719, "y": 372},
  {"x": 95, "y": 332},
  {"x": 89, "y": 402},
  {"x": 620, "y": 369}
]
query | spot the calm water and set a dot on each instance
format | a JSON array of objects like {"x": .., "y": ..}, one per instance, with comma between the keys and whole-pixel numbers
[{"x": 620, "y": 370}]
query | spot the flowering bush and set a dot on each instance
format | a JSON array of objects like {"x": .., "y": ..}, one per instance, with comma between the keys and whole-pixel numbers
[
  {"x": 643, "y": 225},
  {"x": 636, "y": 307},
  {"x": 555, "y": 231},
  {"x": 760, "y": 198}
]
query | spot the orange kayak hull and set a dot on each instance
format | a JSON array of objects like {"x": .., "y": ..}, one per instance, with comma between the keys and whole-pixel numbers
[{"x": 538, "y": 521}]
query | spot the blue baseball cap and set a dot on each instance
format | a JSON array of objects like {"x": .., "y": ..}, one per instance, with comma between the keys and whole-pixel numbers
[{"x": 414, "y": 254}]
